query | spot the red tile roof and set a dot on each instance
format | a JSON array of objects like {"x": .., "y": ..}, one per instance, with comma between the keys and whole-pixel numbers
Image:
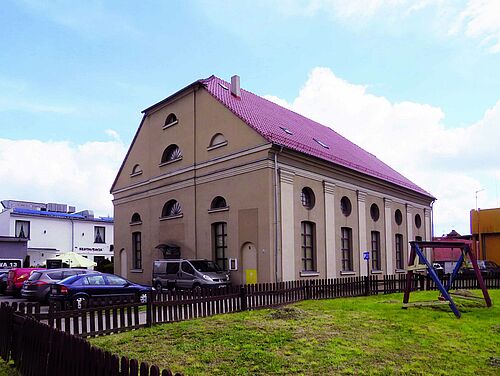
[{"x": 307, "y": 136}]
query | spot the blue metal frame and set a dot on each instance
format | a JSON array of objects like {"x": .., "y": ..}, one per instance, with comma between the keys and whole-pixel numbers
[{"x": 435, "y": 278}]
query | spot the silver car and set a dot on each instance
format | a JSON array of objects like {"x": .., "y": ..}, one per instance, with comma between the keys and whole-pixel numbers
[
  {"x": 37, "y": 286},
  {"x": 188, "y": 274}
]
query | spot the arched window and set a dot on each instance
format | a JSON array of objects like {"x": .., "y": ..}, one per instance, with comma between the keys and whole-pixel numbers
[
  {"x": 307, "y": 198},
  {"x": 136, "y": 170},
  {"x": 171, "y": 153},
  {"x": 374, "y": 213},
  {"x": 171, "y": 209},
  {"x": 218, "y": 202},
  {"x": 345, "y": 206},
  {"x": 170, "y": 120},
  {"x": 218, "y": 140},
  {"x": 136, "y": 218}
]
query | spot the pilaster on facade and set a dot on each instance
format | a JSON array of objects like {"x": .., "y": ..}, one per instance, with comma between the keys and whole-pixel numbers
[
  {"x": 330, "y": 230},
  {"x": 409, "y": 223},
  {"x": 389, "y": 255},
  {"x": 363, "y": 244},
  {"x": 287, "y": 225},
  {"x": 428, "y": 232}
]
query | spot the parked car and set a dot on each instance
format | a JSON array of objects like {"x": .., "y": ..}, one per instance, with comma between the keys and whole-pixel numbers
[
  {"x": 80, "y": 288},
  {"x": 16, "y": 278},
  {"x": 37, "y": 286},
  {"x": 485, "y": 266},
  {"x": 438, "y": 268},
  {"x": 188, "y": 274},
  {"x": 3, "y": 281}
]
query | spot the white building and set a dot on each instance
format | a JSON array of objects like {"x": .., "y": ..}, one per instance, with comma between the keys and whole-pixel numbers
[{"x": 56, "y": 228}]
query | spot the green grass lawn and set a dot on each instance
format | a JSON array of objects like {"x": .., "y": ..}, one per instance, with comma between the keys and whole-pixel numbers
[
  {"x": 356, "y": 336},
  {"x": 6, "y": 369}
]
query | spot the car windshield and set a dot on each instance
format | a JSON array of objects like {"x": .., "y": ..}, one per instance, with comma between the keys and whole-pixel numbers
[
  {"x": 205, "y": 266},
  {"x": 35, "y": 276}
]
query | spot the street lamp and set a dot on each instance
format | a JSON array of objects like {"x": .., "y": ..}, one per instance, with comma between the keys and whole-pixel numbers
[{"x": 480, "y": 190}]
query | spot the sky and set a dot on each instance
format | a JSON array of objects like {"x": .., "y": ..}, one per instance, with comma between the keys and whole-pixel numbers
[{"x": 417, "y": 83}]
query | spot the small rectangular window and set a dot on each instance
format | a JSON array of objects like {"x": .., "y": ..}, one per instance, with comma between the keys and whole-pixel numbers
[
  {"x": 23, "y": 229},
  {"x": 137, "y": 250},
  {"x": 346, "y": 246},
  {"x": 99, "y": 234}
]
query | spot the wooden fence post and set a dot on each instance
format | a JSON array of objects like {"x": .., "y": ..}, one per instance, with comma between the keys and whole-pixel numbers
[
  {"x": 243, "y": 297},
  {"x": 367, "y": 285},
  {"x": 149, "y": 308}
]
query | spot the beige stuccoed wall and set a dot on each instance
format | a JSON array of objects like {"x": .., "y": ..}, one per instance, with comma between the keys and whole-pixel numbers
[
  {"x": 379, "y": 226},
  {"x": 243, "y": 173},
  {"x": 399, "y": 229},
  {"x": 237, "y": 171},
  {"x": 351, "y": 221},
  {"x": 315, "y": 215}
]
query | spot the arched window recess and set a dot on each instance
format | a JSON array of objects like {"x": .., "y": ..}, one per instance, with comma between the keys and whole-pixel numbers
[
  {"x": 171, "y": 154},
  {"x": 218, "y": 140},
  {"x": 170, "y": 121},
  {"x": 218, "y": 204},
  {"x": 172, "y": 209}
]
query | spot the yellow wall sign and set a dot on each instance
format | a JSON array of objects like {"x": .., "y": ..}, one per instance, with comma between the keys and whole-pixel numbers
[{"x": 251, "y": 276}]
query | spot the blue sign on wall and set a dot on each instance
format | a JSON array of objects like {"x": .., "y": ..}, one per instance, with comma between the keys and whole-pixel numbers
[{"x": 366, "y": 255}]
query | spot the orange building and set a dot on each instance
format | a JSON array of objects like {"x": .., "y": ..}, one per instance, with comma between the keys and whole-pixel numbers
[{"x": 485, "y": 230}]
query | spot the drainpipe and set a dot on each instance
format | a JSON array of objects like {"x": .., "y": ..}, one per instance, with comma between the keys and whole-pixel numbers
[
  {"x": 72, "y": 236},
  {"x": 276, "y": 226}
]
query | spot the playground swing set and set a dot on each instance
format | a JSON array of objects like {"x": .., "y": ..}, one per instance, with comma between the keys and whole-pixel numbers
[{"x": 418, "y": 262}]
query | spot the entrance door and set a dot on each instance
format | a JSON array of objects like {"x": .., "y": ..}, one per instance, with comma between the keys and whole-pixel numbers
[
  {"x": 123, "y": 263},
  {"x": 249, "y": 258}
]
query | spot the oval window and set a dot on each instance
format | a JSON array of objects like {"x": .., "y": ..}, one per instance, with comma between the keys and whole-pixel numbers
[
  {"x": 374, "y": 212},
  {"x": 345, "y": 206},
  {"x": 398, "y": 217}
]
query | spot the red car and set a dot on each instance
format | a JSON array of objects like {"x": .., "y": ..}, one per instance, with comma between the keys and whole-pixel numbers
[{"x": 16, "y": 278}]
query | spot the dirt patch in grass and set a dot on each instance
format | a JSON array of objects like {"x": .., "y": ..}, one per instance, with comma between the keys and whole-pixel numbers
[{"x": 287, "y": 313}]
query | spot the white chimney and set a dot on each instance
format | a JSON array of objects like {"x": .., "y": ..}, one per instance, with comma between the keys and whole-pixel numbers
[{"x": 235, "y": 86}]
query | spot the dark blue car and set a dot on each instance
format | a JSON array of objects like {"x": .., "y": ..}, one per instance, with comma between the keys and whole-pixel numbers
[{"x": 79, "y": 289}]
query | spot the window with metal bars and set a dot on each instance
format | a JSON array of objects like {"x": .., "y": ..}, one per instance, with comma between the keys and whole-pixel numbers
[
  {"x": 219, "y": 236},
  {"x": 376, "y": 250},
  {"x": 137, "y": 250},
  {"x": 308, "y": 246},
  {"x": 399, "y": 252},
  {"x": 346, "y": 246}
]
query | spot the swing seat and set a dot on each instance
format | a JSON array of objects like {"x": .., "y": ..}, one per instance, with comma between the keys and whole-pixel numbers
[
  {"x": 417, "y": 267},
  {"x": 426, "y": 303}
]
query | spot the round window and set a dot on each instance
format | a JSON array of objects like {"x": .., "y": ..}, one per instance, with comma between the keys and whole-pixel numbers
[
  {"x": 345, "y": 206},
  {"x": 374, "y": 212},
  {"x": 418, "y": 221},
  {"x": 307, "y": 198},
  {"x": 398, "y": 217}
]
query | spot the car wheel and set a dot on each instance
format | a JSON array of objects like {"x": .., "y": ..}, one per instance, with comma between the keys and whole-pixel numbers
[
  {"x": 158, "y": 287},
  {"x": 143, "y": 297},
  {"x": 80, "y": 302}
]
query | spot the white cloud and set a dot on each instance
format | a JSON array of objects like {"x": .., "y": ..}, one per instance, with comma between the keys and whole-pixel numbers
[
  {"x": 476, "y": 19},
  {"x": 451, "y": 163},
  {"x": 59, "y": 171}
]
